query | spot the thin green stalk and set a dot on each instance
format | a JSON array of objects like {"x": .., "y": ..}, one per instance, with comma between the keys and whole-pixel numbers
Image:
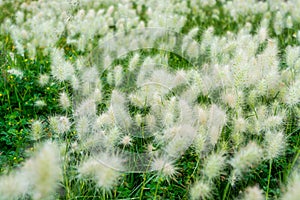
[
  {"x": 104, "y": 197},
  {"x": 226, "y": 190},
  {"x": 295, "y": 159},
  {"x": 143, "y": 187},
  {"x": 144, "y": 175},
  {"x": 81, "y": 186},
  {"x": 269, "y": 177},
  {"x": 17, "y": 96},
  {"x": 196, "y": 167},
  {"x": 66, "y": 183},
  {"x": 67, "y": 186},
  {"x": 144, "y": 182},
  {"x": 290, "y": 167},
  {"x": 156, "y": 189},
  {"x": 8, "y": 99}
]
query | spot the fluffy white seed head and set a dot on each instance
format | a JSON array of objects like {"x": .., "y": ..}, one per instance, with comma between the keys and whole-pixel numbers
[
  {"x": 202, "y": 115},
  {"x": 262, "y": 34},
  {"x": 273, "y": 121},
  {"x": 150, "y": 148},
  {"x": 193, "y": 32},
  {"x": 274, "y": 144},
  {"x": 278, "y": 23},
  {"x": 186, "y": 112},
  {"x": 61, "y": 69},
  {"x": 289, "y": 22},
  {"x": 138, "y": 119},
  {"x": 200, "y": 190},
  {"x": 105, "y": 119},
  {"x": 110, "y": 78},
  {"x": 64, "y": 100},
  {"x": 104, "y": 170},
  {"x": 53, "y": 123},
  {"x": 64, "y": 124},
  {"x": 107, "y": 61},
  {"x": 111, "y": 137},
  {"x": 214, "y": 165},
  {"x": 13, "y": 186},
  {"x": 44, "y": 171},
  {"x": 75, "y": 83},
  {"x": 216, "y": 121},
  {"x": 137, "y": 99},
  {"x": 292, "y": 54},
  {"x": 245, "y": 158},
  {"x": 182, "y": 139},
  {"x": 86, "y": 108},
  {"x": 230, "y": 98},
  {"x": 82, "y": 126},
  {"x": 207, "y": 38},
  {"x": 96, "y": 95},
  {"x": 59, "y": 124},
  {"x": 118, "y": 75},
  {"x": 164, "y": 167},
  {"x": 37, "y": 129},
  {"x": 292, "y": 96},
  {"x": 126, "y": 140},
  {"x": 43, "y": 79},
  {"x": 133, "y": 62},
  {"x": 292, "y": 191},
  {"x": 200, "y": 141},
  {"x": 240, "y": 125},
  {"x": 150, "y": 122},
  {"x": 120, "y": 110},
  {"x": 253, "y": 193},
  {"x": 193, "y": 50},
  {"x": 89, "y": 75},
  {"x": 40, "y": 103}
]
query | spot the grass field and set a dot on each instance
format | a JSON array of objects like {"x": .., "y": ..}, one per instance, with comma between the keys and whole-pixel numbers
[{"x": 138, "y": 99}]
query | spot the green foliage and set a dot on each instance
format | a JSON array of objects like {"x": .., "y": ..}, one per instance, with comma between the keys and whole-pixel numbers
[
  {"x": 18, "y": 110},
  {"x": 17, "y": 106}
]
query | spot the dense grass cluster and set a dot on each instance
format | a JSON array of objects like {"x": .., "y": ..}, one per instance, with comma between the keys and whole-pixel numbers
[{"x": 147, "y": 99}]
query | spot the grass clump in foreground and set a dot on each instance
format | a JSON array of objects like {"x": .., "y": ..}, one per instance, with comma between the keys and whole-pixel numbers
[{"x": 149, "y": 100}]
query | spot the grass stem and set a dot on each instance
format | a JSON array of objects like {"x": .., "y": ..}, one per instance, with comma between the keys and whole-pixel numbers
[
  {"x": 269, "y": 177},
  {"x": 156, "y": 189},
  {"x": 226, "y": 190}
]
